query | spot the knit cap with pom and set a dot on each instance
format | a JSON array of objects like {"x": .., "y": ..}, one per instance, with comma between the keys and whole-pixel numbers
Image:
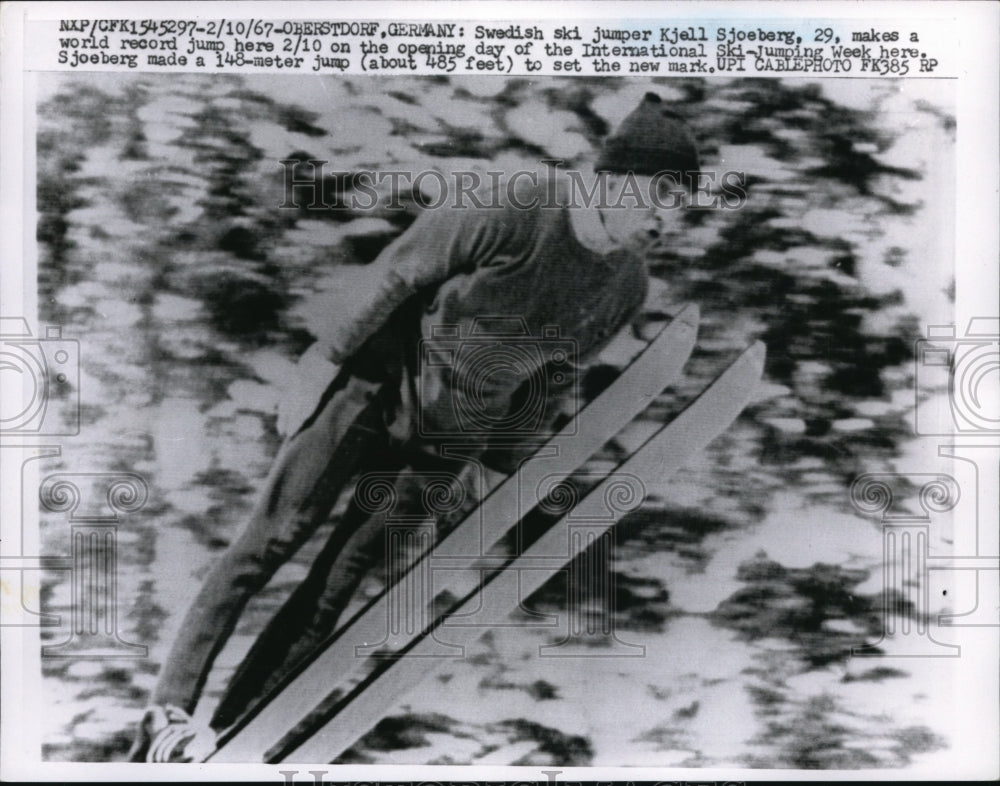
[{"x": 651, "y": 139}]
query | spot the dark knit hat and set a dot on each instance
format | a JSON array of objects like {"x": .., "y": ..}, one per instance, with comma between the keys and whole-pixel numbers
[{"x": 651, "y": 139}]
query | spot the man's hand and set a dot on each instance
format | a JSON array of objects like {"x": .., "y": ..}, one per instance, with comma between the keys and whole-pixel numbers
[
  {"x": 169, "y": 735},
  {"x": 302, "y": 394}
]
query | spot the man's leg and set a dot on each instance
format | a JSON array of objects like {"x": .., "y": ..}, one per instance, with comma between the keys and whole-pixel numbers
[
  {"x": 306, "y": 479},
  {"x": 278, "y": 648},
  {"x": 311, "y": 614}
]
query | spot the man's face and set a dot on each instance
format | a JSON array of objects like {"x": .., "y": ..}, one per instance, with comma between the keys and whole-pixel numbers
[{"x": 642, "y": 211}]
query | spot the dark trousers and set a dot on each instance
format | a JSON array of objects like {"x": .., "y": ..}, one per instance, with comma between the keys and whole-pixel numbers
[
  {"x": 357, "y": 545},
  {"x": 363, "y": 425}
]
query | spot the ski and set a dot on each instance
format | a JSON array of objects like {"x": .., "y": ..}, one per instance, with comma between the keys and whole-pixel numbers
[
  {"x": 658, "y": 365},
  {"x": 663, "y": 453}
]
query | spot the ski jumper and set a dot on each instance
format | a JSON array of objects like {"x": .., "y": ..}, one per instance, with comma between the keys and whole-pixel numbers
[{"x": 451, "y": 275}]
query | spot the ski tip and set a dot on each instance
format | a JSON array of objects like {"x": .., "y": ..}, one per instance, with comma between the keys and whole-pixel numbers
[
  {"x": 689, "y": 314},
  {"x": 747, "y": 369},
  {"x": 754, "y": 356}
]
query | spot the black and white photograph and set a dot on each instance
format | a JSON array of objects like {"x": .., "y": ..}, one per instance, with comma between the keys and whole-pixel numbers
[{"x": 497, "y": 420}]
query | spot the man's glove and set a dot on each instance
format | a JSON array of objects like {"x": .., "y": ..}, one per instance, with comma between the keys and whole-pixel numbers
[
  {"x": 301, "y": 397},
  {"x": 168, "y": 734}
]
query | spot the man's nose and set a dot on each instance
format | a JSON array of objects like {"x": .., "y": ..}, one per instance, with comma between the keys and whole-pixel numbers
[{"x": 653, "y": 224}]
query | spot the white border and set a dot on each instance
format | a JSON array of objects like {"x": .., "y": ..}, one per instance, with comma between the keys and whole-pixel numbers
[{"x": 977, "y": 252}]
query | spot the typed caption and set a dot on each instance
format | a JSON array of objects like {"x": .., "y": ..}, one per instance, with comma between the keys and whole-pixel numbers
[{"x": 852, "y": 48}]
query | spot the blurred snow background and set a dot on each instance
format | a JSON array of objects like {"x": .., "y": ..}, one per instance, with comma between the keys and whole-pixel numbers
[{"x": 748, "y": 576}]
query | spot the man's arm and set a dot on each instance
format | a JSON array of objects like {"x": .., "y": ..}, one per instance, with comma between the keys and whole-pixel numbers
[{"x": 438, "y": 245}]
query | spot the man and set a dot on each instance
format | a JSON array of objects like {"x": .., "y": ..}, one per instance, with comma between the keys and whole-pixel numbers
[{"x": 366, "y": 403}]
